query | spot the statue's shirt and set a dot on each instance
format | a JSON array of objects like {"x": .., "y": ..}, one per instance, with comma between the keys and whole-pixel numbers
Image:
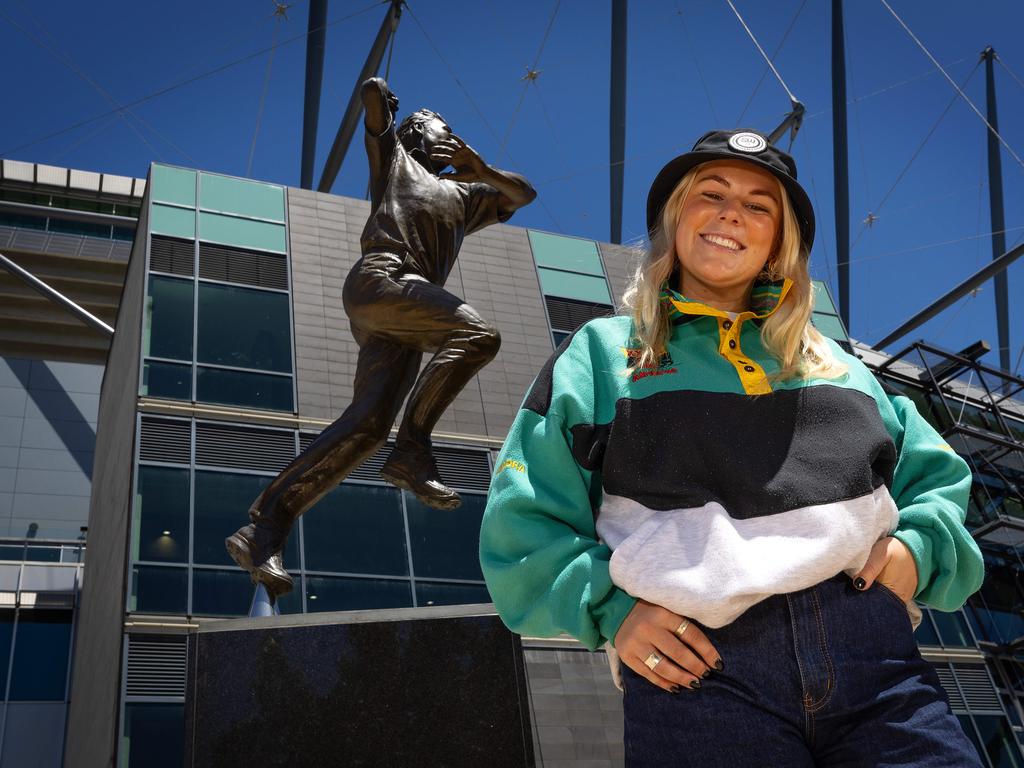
[{"x": 417, "y": 215}]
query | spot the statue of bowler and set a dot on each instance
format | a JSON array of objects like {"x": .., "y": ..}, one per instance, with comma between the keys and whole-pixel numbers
[{"x": 398, "y": 309}]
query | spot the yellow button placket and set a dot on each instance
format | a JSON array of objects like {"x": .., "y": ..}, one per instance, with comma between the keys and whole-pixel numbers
[{"x": 752, "y": 375}]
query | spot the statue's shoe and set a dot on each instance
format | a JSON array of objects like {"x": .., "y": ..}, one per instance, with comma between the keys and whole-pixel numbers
[
  {"x": 244, "y": 546},
  {"x": 416, "y": 472}
]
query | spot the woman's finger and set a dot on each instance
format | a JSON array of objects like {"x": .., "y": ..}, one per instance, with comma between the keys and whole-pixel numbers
[
  {"x": 692, "y": 636},
  {"x": 682, "y": 655},
  {"x": 877, "y": 560},
  {"x": 663, "y": 674}
]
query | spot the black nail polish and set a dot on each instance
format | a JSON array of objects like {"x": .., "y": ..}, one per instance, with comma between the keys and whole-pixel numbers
[
  {"x": 719, "y": 665},
  {"x": 859, "y": 583},
  {"x": 675, "y": 689},
  {"x": 705, "y": 673},
  {"x": 695, "y": 684}
]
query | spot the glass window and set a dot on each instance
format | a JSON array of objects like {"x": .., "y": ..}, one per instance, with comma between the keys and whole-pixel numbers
[
  {"x": 168, "y": 329},
  {"x": 248, "y": 198},
  {"x": 40, "y": 666},
  {"x": 177, "y": 222},
  {"x": 173, "y": 185},
  {"x": 999, "y": 741},
  {"x": 154, "y": 735},
  {"x": 245, "y": 233},
  {"x": 330, "y": 593},
  {"x": 559, "y": 337},
  {"x": 428, "y": 593},
  {"x": 159, "y": 590},
  {"x": 572, "y": 286},
  {"x": 953, "y": 629},
  {"x": 829, "y": 325},
  {"x": 561, "y": 252},
  {"x": 968, "y": 727},
  {"x": 925, "y": 633},
  {"x": 89, "y": 229},
  {"x": 167, "y": 380},
  {"x": 221, "y": 593},
  {"x": 244, "y": 328},
  {"x": 357, "y": 529},
  {"x": 446, "y": 545},
  {"x": 124, "y": 233},
  {"x": 255, "y": 390},
  {"x": 6, "y": 633},
  {"x": 160, "y": 525},
  {"x": 822, "y": 300},
  {"x": 222, "y": 503},
  {"x": 24, "y": 222}
]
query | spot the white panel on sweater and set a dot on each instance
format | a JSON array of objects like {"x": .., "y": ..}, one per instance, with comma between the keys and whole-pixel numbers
[{"x": 706, "y": 565}]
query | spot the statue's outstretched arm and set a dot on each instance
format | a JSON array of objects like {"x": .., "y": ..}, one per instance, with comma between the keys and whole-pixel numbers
[{"x": 379, "y": 104}]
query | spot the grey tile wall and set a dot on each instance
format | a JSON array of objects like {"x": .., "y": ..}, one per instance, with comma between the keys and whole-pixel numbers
[
  {"x": 495, "y": 274},
  {"x": 620, "y": 261},
  {"x": 576, "y": 709},
  {"x": 48, "y": 416}
]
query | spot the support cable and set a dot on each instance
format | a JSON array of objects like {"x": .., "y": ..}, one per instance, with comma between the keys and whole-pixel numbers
[
  {"x": 263, "y": 95},
  {"x": 952, "y": 82},
  {"x": 188, "y": 81},
  {"x": 1009, "y": 71},
  {"x": 778, "y": 77},
  {"x": 696, "y": 63},
  {"x": 476, "y": 108},
  {"x": 530, "y": 74},
  {"x": 775, "y": 53},
  {"x": 927, "y": 246},
  {"x": 873, "y": 213}
]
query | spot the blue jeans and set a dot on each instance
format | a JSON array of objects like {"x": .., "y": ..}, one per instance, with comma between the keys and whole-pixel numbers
[{"x": 828, "y": 676}]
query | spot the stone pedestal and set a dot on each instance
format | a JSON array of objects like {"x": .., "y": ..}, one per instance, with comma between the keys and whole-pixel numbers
[{"x": 425, "y": 687}]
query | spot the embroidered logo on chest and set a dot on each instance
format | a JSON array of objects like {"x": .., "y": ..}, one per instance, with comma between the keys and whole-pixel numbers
[{"x": 664, "y": 366}]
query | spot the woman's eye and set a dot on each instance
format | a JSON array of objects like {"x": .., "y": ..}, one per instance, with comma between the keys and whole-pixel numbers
[
  {"x": 758, "y": 208},
  {"x": 712, "y": 195}
]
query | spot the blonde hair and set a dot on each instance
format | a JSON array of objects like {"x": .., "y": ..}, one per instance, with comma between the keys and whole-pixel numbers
[{"x": 801, "y": 351}]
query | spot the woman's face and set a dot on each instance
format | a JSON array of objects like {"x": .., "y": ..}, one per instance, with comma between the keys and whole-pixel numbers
[{"x": 727, "y": 229}]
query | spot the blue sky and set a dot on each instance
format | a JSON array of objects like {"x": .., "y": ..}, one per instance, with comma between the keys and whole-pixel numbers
[{"x": 691, "y": 67}]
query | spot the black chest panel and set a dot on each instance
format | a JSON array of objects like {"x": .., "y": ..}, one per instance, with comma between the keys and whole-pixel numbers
[{"x": 756, "y": 455}]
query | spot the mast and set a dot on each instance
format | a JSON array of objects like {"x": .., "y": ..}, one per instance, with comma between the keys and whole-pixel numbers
[
  {"x": 617, "y": 117},
  {"x": 840, "y": 174},
  {"x": 995, "y": 197}
]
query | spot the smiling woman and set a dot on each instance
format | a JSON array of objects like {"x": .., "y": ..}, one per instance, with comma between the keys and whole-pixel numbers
[{"x": 731, "y": 503}]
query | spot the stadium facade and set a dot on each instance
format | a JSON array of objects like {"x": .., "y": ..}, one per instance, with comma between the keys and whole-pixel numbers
[{"x": 137, "y": 456}]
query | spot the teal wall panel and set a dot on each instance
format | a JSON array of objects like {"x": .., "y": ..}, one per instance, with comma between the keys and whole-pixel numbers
[
  {"x": 246, "y": 198},
  {"x": 177, "y": 222},
  {"x": 573, "y": 286},
  {"x": 173, "y": 185},
  {"x": 822, "y": 300},
  {"x": 566, "y": 253},
  {"x": 244, "y": 233},
  {"x": 829, "y": 325}
]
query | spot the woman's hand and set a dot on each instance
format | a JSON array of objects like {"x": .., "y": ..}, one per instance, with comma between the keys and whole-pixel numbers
[
  {"x": 891, "y": 563},
  {"x": 686, "y": 656}
]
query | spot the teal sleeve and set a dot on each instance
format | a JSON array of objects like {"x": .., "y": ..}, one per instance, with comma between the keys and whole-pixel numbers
[
  {"x": 544, "y": 566},
  {"x": 931, "y": 485}
]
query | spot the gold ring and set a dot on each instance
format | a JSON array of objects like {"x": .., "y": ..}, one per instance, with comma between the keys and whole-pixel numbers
[
  {"x": 653, "y": 660},
  {"x": 682, "y": 628}
]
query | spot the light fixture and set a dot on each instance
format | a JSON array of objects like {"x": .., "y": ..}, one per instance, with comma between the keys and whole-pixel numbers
[{"x": 167, "y": 533}]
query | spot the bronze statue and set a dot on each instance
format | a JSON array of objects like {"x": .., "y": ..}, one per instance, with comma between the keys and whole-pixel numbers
[{"x": 398, "y": 310}]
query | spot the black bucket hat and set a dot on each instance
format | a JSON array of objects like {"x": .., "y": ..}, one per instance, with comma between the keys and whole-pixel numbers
[{"x": 740, "y": 144}]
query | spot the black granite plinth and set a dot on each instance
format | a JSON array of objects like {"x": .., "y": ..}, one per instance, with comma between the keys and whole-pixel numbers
[{"x": 408, "y": 687}]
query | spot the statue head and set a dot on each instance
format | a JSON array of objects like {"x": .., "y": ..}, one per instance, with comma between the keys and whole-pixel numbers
[{"x": 422, "y": 130}]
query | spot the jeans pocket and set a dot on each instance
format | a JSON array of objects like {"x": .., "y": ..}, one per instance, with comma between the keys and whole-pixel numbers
[{"x": 904, "y": 609}]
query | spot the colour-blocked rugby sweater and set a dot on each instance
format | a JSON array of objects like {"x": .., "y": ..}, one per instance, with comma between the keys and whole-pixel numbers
[{"x": 703, "y": 487}]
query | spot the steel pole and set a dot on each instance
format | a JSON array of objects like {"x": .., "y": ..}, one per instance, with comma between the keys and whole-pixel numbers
[
  {"x": 55, "y": 296},
  {"x": 355, "y": 104},
  {"x": 841, "y": 179},
  {"x": 316, "y": 41},
  {"x": 617, "y": 117},
  {"x": 995, "y": 199}
]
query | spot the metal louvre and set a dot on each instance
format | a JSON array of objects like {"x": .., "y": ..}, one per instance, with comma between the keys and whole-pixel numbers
[
  {"x": 227, "y": 445},
  {"x": 171, "y": 255},
  {"x": 156, "y": 666},
  {"x": 165, "y": 440},
  {"x": 975, "y": 692},
  {"x": 459, "y": 467},
  {"x": 569, "y": 314},
  {"x": 238, "y": 265}
]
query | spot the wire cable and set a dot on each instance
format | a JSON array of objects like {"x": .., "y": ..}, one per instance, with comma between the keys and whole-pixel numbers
[
  {"x": 1009, "y": 71},
  {"x": 763, "y": 54},
  {"x": 925, "y": 247},
  {"x": 696, "y": 63},
  {"x": 528, "y": 79},
  {"x": 764, "y": 74},
  {"x": 263, "y": 96},
  {"x": 188, "y": 81},
  {"x": 913, "y": 157},
  {"x": 953, "y": 83}
]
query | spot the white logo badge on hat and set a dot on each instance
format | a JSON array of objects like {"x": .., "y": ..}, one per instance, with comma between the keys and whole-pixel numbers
[{"x": 748, "y": 142}]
